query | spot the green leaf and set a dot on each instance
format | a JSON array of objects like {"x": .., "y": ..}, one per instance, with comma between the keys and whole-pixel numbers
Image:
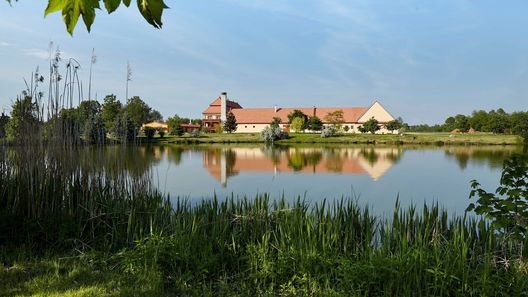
[
  {"x": 112, "y": 5},
  {"x": 152, "y": 11},
  {"x": 54, "y": 5},
  {"x": 126, "y": 2}
]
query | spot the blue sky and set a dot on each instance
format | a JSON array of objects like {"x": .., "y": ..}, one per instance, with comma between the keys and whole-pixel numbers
[{"x": 423, "y": 60}]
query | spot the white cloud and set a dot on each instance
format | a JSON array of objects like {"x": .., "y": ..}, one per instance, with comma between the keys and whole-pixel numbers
[
  {"x": 6, "y": 44},
  {"x": 37, "y": 53}
]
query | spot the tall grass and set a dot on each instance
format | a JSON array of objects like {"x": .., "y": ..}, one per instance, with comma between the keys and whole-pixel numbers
[{"x": 50, "y": 201}]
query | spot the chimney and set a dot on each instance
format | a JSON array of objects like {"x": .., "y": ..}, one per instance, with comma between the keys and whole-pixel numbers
[
  {"x": 223, "y": 106},
  {"x": 314, "y": 111},
  {"x": 275, "y": 108}
]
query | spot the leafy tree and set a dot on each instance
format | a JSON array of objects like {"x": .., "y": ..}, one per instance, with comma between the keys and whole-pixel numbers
[
  {"x": 24, "y": 119},
  {"x": 519, "y": 122},
  {"x": 155, "y": 116},
  {"x": 298, "y": 124},
  {"x": 110, "y": 111},
  {"x": 508, "y": 207},
  {"x": 4, "y": 119},
  {"x": 298, "y": 114},
  {"x": 336, "y": 119},
  {"x": 371, "y": 126},
  {"x": 479, "y": 120},
  {"x": 149, "y": 132},
  {"x": 328, "y": 131},
  {"x": 462, "y": 123},
  {"x": 346, "y": 128},
  {"x": 138, "y": 111},
  {"x": 275, "y": 122},
  {"x": 174, "y": 124},
  {"x": 393, "y": 125},
  {"x": 124, "y": 128},
  {"x": 197, "y": 122},
  {"x": 315, "y": 123},
  {"x": 161, "y": 133},
  {"x": 94, "y": 130},
  {"x": 498, "y": 121},
  {"x": 230, "y": 124},
  {"x": 450, "y": 123},
  {"x": 71, "y": 10}
]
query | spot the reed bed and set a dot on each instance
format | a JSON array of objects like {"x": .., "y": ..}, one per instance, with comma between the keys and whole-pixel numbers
[{"x": 52, "y": 203}]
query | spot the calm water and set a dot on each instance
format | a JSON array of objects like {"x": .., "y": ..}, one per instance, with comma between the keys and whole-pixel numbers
[{"x": 377, "y": 175}]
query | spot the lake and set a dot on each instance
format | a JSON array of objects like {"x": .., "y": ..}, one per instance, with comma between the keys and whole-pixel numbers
[{"x": 375, "y": 175}]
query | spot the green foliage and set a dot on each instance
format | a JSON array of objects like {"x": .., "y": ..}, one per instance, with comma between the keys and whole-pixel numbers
[
  {"x": 110, "y": 111},
  {"x": 155, "y": 116},
  {"x": 149, "y": 132},
  {"x": 336, "y": 119},
  {"x": 298, "y": 114},
  {"x": 508, "y": 207},
  {"x": 174, "y": 124},
  {"x": 346, "y": 128},
  {"x": 372, "y": 125},
  {"x": 161, "y": 133},
  {"x": 138, "y": 111},
  {"x": 298, "y": 124},
  {"x": 394, "y": 125},
  {"x": 230, "y": 124},
  {"x": 315, "y": 123},
  {"x": 125, "y": 128},
  {"x": 4, "y": 119},
  {"x": 71, "y": 10},
  {"x": 275, "y": 122},
  {"x": 24, "y": 120},
  {"x": 94, "y": 130}
]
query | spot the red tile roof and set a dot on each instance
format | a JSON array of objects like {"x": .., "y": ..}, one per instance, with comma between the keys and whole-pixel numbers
[
  {"x": 215, "y": 106},
  {"x": 265, "y": 115}
]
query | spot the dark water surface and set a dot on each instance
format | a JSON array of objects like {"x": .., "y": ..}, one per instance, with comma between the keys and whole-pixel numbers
[{"x": 376, "y": 175}]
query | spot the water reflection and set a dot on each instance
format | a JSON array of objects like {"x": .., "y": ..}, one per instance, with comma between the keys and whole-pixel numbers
[{"x": 223, "y": 163}]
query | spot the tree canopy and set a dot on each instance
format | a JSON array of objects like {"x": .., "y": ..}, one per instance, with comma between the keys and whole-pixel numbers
[{"x": 71, "y": 10}]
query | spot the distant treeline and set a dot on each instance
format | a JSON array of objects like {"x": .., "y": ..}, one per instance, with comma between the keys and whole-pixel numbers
[{"x": 495, "y": 121}]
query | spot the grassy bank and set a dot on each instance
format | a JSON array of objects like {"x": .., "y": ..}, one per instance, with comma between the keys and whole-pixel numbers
[
  {"x": 463, "y": 139},
  {"x": 263, "y": 248}
]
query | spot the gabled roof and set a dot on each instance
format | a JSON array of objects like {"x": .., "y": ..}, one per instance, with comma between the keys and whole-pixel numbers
[
  {"x": 265, "y": 115},
  {"x": 215, "y": 106}
]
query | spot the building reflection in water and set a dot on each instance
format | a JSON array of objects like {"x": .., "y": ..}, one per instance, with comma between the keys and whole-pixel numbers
[{"x": 223, "y": 163}]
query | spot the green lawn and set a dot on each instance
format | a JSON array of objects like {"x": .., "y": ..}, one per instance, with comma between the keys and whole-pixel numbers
[{"x": 488, "y": 139}]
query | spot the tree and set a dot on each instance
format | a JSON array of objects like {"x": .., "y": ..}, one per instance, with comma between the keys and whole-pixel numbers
[
  {"x": 371, "y": 126},
  {"x": 298, "y": 114},
  {"x": 335, "y": 118},
  {"x": 519, "y": 121},
  {"x": 24, "y": 119},
  {"x": 71, "y": 10},
  {"x": 315, "y": 123},
  {"x": 4, "y": 119},
  {"x": 297, "y": 124},
  {"x": 174, "y": 125},
  {"x": 149, "y": 132},
  {"x": 498, "y": 121},
  {"x": 138, "y": 111},
  {"x": 461, "y": 123},
  {"x": 450, "y": 123},
  {"x": 155, "y": 116},
  {"x": 230, "y": 124},
  {"x": 110, "y": 111},
  {"x": 393, "y": 125},
  {"x": 124, "y": 128},
  {"x": 479, "y": 120},
  {"x": 275, "y": 122},
  {"x": 94, "y": 130}
]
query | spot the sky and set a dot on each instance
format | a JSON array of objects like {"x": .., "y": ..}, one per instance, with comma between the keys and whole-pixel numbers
[{"x": 423, "y": 60}]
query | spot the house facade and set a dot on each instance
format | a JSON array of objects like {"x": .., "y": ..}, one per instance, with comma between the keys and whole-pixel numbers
[
  {"x": 217, "y": 112},
  {"x": 254, "y": 120}
]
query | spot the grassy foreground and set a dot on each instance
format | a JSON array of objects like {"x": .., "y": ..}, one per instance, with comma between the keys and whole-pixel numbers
[
  {"x": 477, "y": 139},
  {"x": 71, "y": 230}
]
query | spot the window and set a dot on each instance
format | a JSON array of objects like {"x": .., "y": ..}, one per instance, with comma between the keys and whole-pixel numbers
[
  {"x": 253, "y": 126},
  {"x": 245, "y": 126}
]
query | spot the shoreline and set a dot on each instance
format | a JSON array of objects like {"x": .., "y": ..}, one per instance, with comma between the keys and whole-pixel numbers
[{"x": 296, "y": 138}]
